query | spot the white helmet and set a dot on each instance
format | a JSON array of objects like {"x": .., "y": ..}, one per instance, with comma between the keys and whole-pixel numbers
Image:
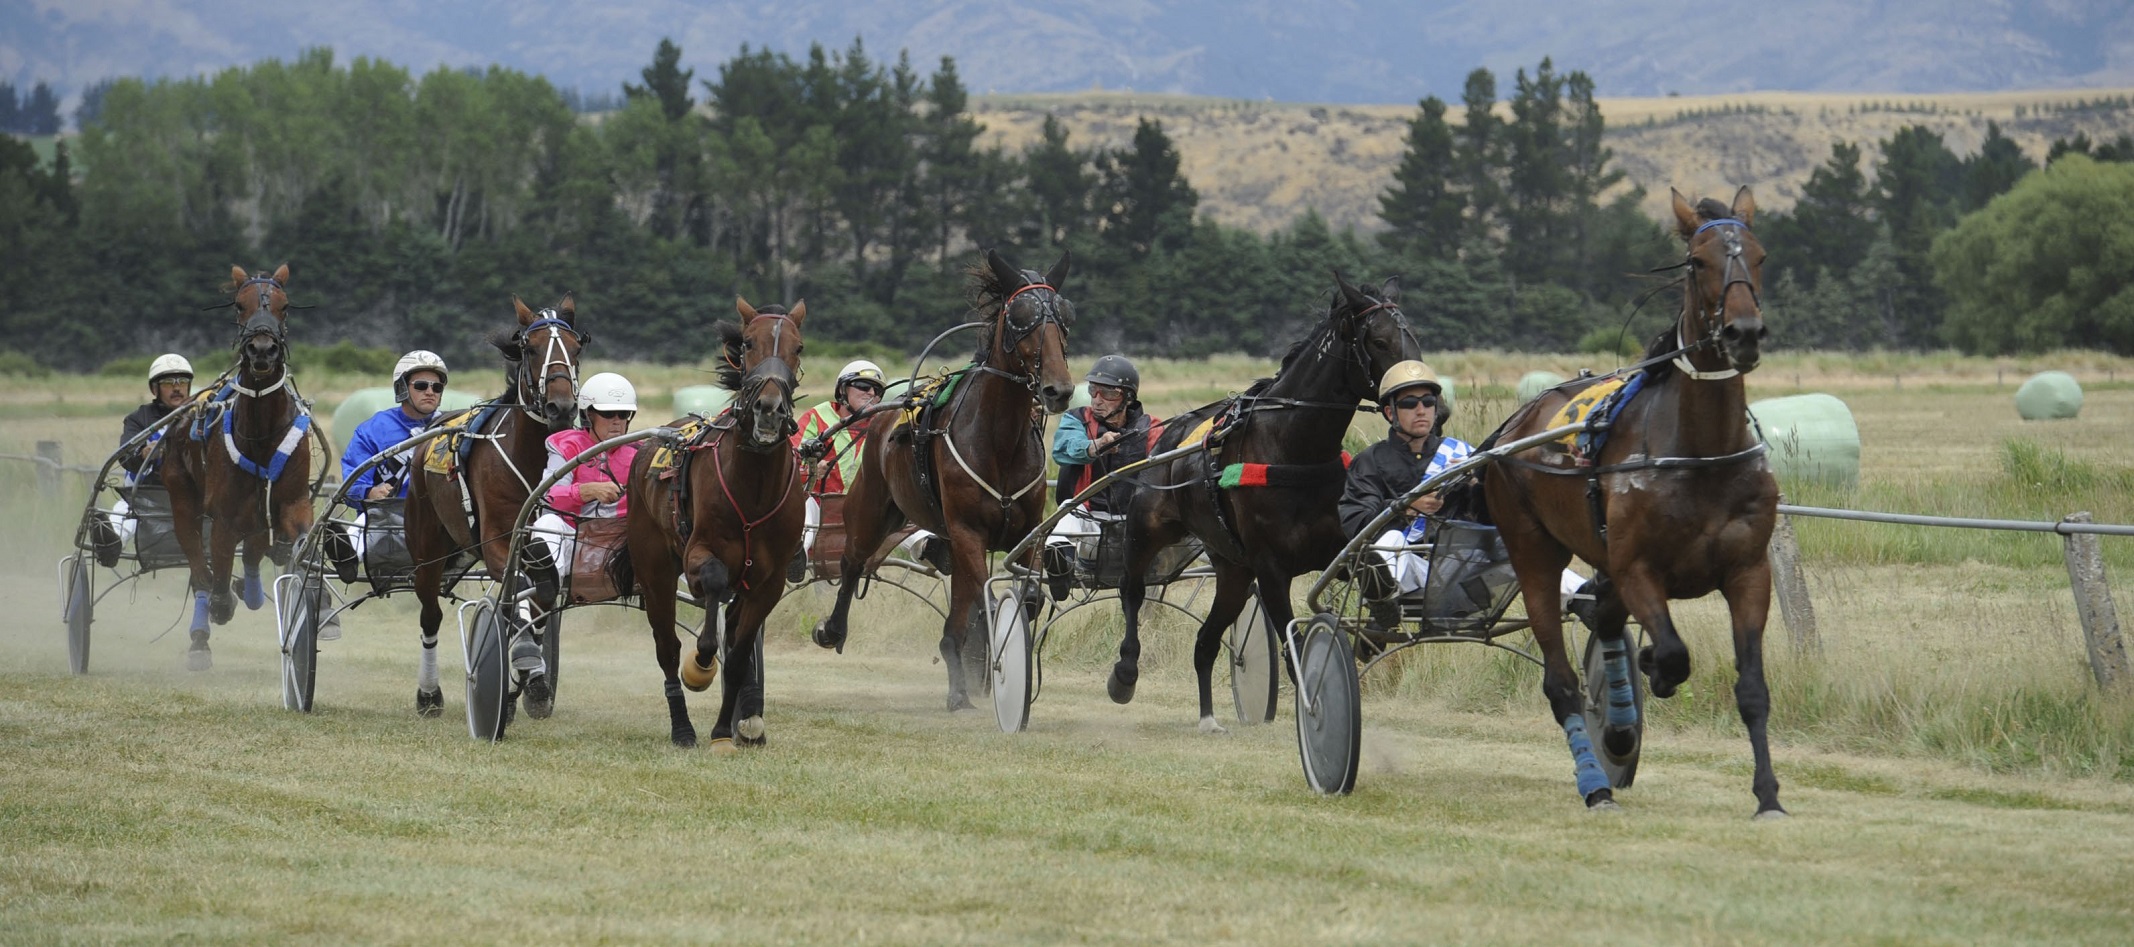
[
  {"x": 607, "y": 391},
  {"x": 420, "y": 360},
  {"x": 858, "y": 369},
  {"x": 171, "y": 364}
]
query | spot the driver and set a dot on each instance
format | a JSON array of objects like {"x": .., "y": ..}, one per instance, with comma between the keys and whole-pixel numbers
[
  {"x": 419, "y": 387},
  {"x": 1111, "y": 432},
  {"x": 607, "y": 403},
  {"x": 170, "y": 384},
  {"x": 859, "y": 387}
]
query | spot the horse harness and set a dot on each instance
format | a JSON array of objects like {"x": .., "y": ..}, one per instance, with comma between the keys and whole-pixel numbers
[
  {"x": 219, "y": 409},
  {"x": 671, "y": 462}
]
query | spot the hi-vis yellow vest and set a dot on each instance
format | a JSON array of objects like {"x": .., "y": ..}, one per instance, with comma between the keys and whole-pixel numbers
[{"x": 844, "y": 447}]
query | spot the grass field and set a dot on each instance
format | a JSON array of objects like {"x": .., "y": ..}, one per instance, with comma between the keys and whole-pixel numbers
[{"x": 1953, "y": 774}]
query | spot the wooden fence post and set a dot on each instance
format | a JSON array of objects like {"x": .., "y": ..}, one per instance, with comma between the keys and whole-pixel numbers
[
  {"x": 2093, "y": 603},
  {"x": 1791, "y": 587},
  {"x": 48, "y": 469}
]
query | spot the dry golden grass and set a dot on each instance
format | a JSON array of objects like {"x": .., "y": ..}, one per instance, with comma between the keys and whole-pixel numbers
[{"x": 1260, "y": 165}]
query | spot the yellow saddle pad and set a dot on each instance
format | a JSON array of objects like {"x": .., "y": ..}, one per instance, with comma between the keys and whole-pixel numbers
[
  {"x": 443, "y": 452},
  {"x": 1199, "y": 432},
  {"x": 1582, "y": 404},
  {"x": 690, "y": 431}
]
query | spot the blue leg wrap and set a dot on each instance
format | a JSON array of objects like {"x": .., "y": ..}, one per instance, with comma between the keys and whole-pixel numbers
[
  {"x": 199, "y": 611},
  {"x": 1590, "y": 777},
  {"x": 1622, "y": 704},
  {"x": 255, "y": 592}
]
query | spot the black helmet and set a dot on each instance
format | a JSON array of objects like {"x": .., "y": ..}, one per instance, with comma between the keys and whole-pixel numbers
[{"x": 1116, "y": 371}]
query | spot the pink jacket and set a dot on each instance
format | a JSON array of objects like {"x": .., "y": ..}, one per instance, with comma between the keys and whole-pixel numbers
[{"x": 613, "y": 467}]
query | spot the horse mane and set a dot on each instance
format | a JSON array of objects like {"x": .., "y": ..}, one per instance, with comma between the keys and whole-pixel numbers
[
  {"x": 984, "y": 290},
  {"x": 727, "y": 372},
  {"x": 1711, "y": 208}
]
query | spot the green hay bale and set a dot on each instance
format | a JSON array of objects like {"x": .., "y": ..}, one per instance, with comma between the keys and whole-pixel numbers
[
  {"x": 707, "y": 400},
  {"x": 1812, "y": 438},
  {"x": 1081, "y": 397},
  {"x": 364, "y": 402},
  {"x": 1532, "y": 384},
  {"x": 2049, "y": 396}
]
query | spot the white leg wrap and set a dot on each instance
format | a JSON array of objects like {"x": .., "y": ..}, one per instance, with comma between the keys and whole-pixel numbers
[{"x": 426, "y": 673}]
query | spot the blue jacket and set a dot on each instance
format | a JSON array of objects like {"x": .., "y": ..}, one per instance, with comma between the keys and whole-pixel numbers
[{"x": 380, "y": 431}]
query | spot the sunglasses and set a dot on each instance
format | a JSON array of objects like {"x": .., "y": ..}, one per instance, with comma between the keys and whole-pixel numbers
[
  {"x": 866, "y": 386},
  {"x": 1106, "y": 392},
  {"x": 175, "y": 381},
  {"x": 611, "y": 415},
  {"x": 1412, "y": 402},
  {"x": 436, "y": 386}
]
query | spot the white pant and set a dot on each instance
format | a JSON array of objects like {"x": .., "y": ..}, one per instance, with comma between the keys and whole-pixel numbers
[
  {"x": 560, "y": 537},
  {"x": 122, "y": 519},
  {"x": 812, "y": 524},
  {"x": 1412, "y": 570},
  {"x": 1079, "y": 530}
]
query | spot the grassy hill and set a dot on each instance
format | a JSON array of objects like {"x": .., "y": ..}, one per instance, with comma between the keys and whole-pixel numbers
[{"x": 1261, "y": 164}]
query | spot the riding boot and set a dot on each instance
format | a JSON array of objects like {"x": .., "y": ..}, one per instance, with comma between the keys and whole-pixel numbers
[
  {"x": 1059, "y": 569},
  {"x": 935, "y": 552},
  {"x": 1583, "y": 603},
  {"x": 796, "y": 571},
  {"x": 341, "y": 552},
  {"x": 106, "y": 542}
]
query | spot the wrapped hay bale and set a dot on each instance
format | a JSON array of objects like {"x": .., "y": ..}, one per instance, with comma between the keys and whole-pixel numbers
[
  {"x": 1812, "y": 438},
  {"x": 364, "y": 402},
  {"x": 2049, "y": 396},
  {"x": 1532, "y": 384},
  {"x": 707, "y": 400}
]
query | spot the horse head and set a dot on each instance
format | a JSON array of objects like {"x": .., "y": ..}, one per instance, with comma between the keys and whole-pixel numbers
[
  {"x": 761, "y": 364},
  {"x": 262, "y": 305},
  {"x": 1029, "y": 333},
  {"x": 1375, "y": 331},
  {"x": 546, "y": 348},
  {"x": 1723, "y": 305}
]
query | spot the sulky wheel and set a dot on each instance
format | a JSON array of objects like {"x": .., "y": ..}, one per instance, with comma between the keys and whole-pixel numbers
[
  {"x": 81, "y": 612},
  {"x": 1329, "y": 707},
  {"x": 1254, "y": 662},
  {"x": 1616, "y": 747},
  {"x": 552, "y": 647},
  {"x": 488, "y": 673},
  {"x": 1008, "y": 634},
  {"x": 300, "y": 643}
]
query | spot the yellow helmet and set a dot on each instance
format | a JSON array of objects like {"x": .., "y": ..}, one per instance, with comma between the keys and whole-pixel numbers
[{"x": 1406, "y": 374}]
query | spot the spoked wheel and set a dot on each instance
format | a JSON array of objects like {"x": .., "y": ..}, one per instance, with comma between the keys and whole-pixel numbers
[
  {"x": 1329, "y": 707},
  {"x": 1009, "y": 668},
  {"x": 81, "y": 611},
  {"x": 300, "y": 644},
  {"x": 552, "y": 647},
  {"x": 1616, "y": 747},
  {"x": 488, "y": 673},
  {"x": 1253, "y": 663}
]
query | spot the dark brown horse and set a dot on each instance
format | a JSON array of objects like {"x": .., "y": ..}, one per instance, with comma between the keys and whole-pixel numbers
[
  {"x": 506, "y": 457},
  {"x": 730, "y": 526},
  {"x": 974, "y": 469},
  {"x": 1269, "y": 534},
  {"x": 244, "y": 464},
  {"x": 1685, "y": 502}
]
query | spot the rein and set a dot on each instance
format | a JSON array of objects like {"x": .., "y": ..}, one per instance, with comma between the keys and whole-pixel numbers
[
  {"x": 748, "y": 526},
  {"x": 555, "y": 352}
]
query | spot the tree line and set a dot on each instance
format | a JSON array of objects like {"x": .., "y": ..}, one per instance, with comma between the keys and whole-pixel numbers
[{"x": 412, "y": 206}]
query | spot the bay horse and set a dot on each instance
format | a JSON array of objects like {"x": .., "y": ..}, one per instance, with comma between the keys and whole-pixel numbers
[
  {"x": 1677, "y": 503},
  {"x": 507, "y": 456},
  {"x": 971, "y": 469},
  {"x": 1268, "y": 534},
  {"x": 728, "y": 514},
  {"x": 244, "y": 464}
]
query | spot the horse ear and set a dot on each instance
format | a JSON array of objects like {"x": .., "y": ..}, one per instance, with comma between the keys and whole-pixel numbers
[
  {"x": 748, "y": 312},
  {"x": 799, "y": 313},
  {"x": 238, "y": 275},
  {"x": 1685, "y": 215},
  {"x": 568, "y": 308},
  {"x": 281, "y": 275},
  {"x": 1057, "y": 276},
  {"x": 1009, "y": 277},
  {"x": 1349, "y": 294},
  {"x": 518, "y": 306},
  {"x": 1390, "y": 290},
  {"x": 1745, "y": 205}
]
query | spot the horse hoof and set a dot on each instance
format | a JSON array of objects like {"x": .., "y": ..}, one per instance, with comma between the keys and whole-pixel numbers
[
  {"x": 684, "y": 737},
  {"x": 429, "y": 703},
  {"x": 750, "y": 731},
  {"x": 1602, "y": 800},
  {"x": 1771, "y": 815},
  {"x": 697, "y": 677},
  {"x": 1121, "y": 692},
  {"x": 1208, "y": 725},
  {"x": 959, "y": 702},
  {"x": 825, "y": 639},
  {"x": 721, "y": 746},
  {"x": 540, "y": 699},
  {"x": 221, "y": 607},
  {"x": 1619, "y": 743},
  {"x": 198, "y": 657}
]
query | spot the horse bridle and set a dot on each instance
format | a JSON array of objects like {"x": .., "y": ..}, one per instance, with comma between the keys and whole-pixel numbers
[
  {"x": 1733, "y": 270},
  {"x": 787, "y": 379},
  {"x": 262, "y": 321},
  {"x": 554, "y": 353},
  {"x": 1011, "y": 335}
]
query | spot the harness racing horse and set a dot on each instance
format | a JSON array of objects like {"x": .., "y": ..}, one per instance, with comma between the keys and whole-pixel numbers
[
  {"x": 728, "y": 513},
  {"x": 244, "y": 465},
  {"x": 971, "y": 468},
  {"x": 1677, "y": 503},
  {"x": 1270, "y": 534},
  {"x": 489, "y": 483}
]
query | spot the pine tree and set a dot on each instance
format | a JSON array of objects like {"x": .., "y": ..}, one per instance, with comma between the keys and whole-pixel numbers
[
  {"x": 1996, "y": 167},
  {"x": 40, "y": 111},
  {"x": 1150, "y": 203},
  {"x": 1423, "y": 208},
  {"x": 1061, "y": 182},
  {"x": 666, "y": 81},
  {"x": 1479, "y": 153}
]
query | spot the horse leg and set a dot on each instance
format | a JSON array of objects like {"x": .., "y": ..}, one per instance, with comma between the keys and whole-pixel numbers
[
  {"x": 253, "y": 590},
  {"x": 1539, "y": 562},
  {"x": 429, "y": 580},
  {"x": 865, "y": 527},
  {"x": 185, "y": 523},
  {"x": 222, "y": 555},
  {"x": 1609, "y": 621},
  {"x": 1665, "y": 661},
  {"x": 741, "y": 711},
  {"x": 966, "y": 587},
  {"x": 1748, "y": 600},
  {"x": 1233, "y": 586},
  {"x": 652, "y": 559},
  {"x": 713, "y": 587}
]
